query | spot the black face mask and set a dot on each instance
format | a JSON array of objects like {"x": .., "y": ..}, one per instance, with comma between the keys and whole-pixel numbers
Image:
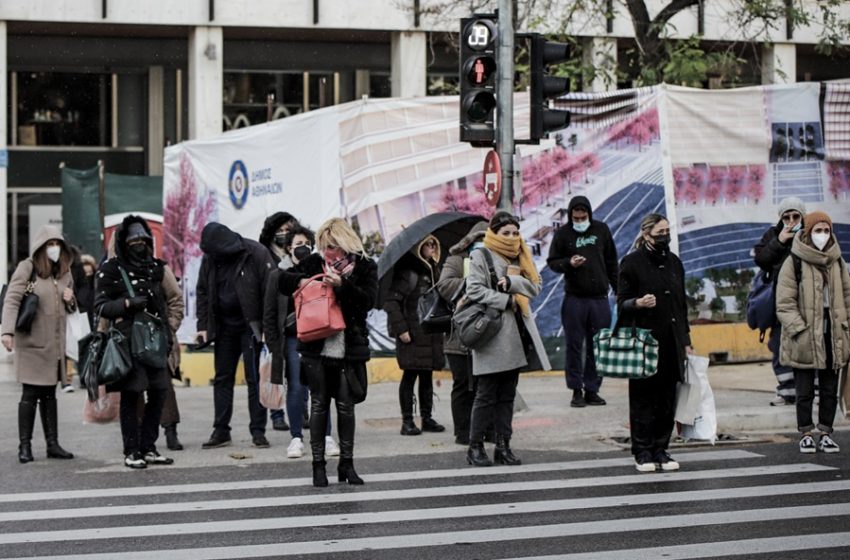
[
  {"x": 661, "y": 242},
  {"x": 280, "y": 239},
  {"x": 302, "y": 252},
  {"x": 140, "y": 251}
]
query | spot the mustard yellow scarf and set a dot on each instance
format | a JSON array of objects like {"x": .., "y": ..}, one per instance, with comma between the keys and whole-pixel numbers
[{"x": 515, "y": 248}]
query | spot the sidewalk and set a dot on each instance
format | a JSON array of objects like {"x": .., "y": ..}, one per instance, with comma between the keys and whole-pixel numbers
[{"x": 742, "y": 393}]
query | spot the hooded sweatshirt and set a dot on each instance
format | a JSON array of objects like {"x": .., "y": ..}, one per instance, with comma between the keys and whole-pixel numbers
[{"x": 599, "y": 271}]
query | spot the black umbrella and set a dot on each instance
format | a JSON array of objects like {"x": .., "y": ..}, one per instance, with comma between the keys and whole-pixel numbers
[{"x": 447, "y": 227}]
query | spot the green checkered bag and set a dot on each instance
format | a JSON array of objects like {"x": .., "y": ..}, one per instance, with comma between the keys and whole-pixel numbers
[{"x": 625, "y": 352}]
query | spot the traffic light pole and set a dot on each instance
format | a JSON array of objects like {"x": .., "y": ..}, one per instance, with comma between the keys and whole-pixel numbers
[{"x": 505, "y": 102}]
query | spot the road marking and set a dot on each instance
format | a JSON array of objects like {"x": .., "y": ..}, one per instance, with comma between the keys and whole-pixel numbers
[
  {"x": 712, "y": 549},
  {"x": 412, "y": 493},
  {"x": 502, "y": 534},
  {"x": 478, "y": 511},
  {"x": 722, "y": 455}
]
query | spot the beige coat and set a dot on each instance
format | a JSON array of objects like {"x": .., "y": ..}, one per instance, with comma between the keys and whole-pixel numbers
[
  {"x": 800, "y": 309},
  {"x": 39, "y": 355},
  {"x": 174, "y": 300}
]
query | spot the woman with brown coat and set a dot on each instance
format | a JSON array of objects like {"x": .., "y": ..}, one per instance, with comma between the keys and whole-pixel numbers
[
  {"x": 40, "y": 354},
  {"x": 418, "y": 353},
  {"x": 812, "y": 303}
]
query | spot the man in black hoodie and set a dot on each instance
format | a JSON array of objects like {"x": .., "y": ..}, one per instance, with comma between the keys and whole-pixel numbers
[
  {"x": 231, "y": 283},
  {"x": 583, "y": 251}
]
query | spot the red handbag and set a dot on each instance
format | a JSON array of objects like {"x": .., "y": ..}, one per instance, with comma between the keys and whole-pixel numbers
[{"x": 317, "y": 313}]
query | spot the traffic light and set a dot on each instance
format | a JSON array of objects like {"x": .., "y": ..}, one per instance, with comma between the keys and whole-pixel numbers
[
  {"x": 478, "y": 65},
  {"x": 542, "y": 53}
]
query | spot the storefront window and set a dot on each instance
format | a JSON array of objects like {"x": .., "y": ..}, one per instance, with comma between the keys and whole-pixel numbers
[
  {"x": 380, "y": 85},
  {"x": 443, "y": 84},
  {"x": 62, "y": 109}
]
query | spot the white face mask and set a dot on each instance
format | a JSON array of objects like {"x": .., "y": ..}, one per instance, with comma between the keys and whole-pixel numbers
[
  {"x": 53, "y": 253},
  {"x": 820, "y": 240},
  {"x": 581, "y": 227}
]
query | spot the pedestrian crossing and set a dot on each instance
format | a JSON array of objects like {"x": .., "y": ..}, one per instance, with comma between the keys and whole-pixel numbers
[{"x": 589, "y": 509}]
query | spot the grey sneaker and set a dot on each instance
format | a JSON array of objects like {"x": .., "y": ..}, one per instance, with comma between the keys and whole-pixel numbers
[
  {"x": 807, "y": 444},
  {"x": 827, "y": 445}
]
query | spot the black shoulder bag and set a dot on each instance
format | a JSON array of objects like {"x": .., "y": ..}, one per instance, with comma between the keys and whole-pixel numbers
[
  {"x": 148, "y": 335},
  {"x": 477, "y": 323},
  {"x": 28, "y": 307}
]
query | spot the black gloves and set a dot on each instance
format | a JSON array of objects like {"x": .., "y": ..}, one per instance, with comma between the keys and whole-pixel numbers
[{"x": 137, "y": 303}]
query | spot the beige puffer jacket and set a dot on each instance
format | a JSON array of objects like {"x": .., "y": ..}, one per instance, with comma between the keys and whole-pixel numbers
[{"x": 800, "y": 309}]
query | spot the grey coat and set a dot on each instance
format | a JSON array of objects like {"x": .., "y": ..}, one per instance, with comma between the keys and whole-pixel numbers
[{"x": 505, "y": 351}]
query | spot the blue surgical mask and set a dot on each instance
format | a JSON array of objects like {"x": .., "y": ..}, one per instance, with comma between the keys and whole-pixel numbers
[
  {"x": 797, "y": 228},
  {"x": 581, "y": 227}
]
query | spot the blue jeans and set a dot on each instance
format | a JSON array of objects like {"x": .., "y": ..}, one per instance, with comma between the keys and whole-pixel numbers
[{"x": 582, "y": 318}]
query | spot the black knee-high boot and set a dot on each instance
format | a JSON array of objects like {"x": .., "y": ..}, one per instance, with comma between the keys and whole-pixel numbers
[
  {"x": 26, "y": 421},
  {"x": 50, "y": 423},
  {"x": 345, "y": 422}
]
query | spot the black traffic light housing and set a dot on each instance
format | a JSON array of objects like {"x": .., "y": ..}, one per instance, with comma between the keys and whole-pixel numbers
[
  {"x": 478, "y": 69},
  {"x": 542, "y": 53}
]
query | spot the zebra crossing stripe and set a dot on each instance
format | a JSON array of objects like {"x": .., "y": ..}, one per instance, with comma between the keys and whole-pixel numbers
[
  {"x": 713, "y": 549},
  {"x": 720, "y": 455},
  {"x": 412, "y": 493},
  {"x": 503, "y": 534},
  {"x": 444, "y": 513}
]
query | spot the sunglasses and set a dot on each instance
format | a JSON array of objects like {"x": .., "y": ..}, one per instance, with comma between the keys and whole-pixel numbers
[{"x": 792, "y": 217}]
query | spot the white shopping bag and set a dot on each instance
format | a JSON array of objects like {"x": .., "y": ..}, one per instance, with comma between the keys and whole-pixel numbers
[
  {"x": 271, "y": 394},
  {"x": 704, "y": 425},
  {"x": 76, "y": 327},
  {"x": 689, "y": 391}
]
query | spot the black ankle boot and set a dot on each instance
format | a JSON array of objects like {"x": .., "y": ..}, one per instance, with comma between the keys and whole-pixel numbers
[
  {"x": 503, "y": 453},
  {"x": 26, "y": 420},
  {"x": 171, "y": 440},
  {"x": 408, "y": 427},
  {"x": 345, "y": 471},
  {"x": 50, "y": 423},
  {"x": 431, "y": 425},
  {"x": 320, "y": 477},
  {"x": 477, "y": 456}
]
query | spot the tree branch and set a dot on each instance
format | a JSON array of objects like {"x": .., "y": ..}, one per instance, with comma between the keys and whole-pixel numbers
[{"x": 671, "y": 10}]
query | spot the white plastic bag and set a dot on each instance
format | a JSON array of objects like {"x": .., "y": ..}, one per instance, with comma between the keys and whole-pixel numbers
[
  {"x": 76, "y": 327},
  {"x": 271, "y": 394},
  {"x": 689, "y": 391},
  {"x": 104, "y": 410},
  {"x": 704, "y": 425}
]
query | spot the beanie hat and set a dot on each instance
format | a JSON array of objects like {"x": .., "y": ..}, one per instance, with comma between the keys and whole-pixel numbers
[
  {"x": 501, "y": 219},
  {"x": 791, "y": 203},
  {"x": 814, "y": 218},
  {"x": 137, "y": 231}
]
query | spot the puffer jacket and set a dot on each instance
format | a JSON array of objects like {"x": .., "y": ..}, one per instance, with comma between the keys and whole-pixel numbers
[
  {"x": 411, "y": 279},
  {"x": 800, "y": 307}
]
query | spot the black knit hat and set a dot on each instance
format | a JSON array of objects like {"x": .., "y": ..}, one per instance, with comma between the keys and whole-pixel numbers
[
  {"x": 137, "y": 231},
  {"x": 500, "y": 219}
]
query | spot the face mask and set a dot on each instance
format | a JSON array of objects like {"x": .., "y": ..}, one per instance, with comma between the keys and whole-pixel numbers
[
  {"x": 139, "y": 250},
  {"x": 53, "y": 253},
  {"x": 661, "y": 242},
  {"x": 581, "y": 227},
  {"x": 302, "y": 252},
  {"x": 280, "y": 239},
  {"x": 797, "y": 228},
  {"x": 820, "y": 240}
]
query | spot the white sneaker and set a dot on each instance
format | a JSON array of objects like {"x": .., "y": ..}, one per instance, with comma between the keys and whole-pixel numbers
[
  {"x": 827, "y": 445},
  {"x": 331, "y": 448},
  {"x": 295, "y": 449},
  {"x": 807, "y": 444},
  {"x": 68, "y": 388}
]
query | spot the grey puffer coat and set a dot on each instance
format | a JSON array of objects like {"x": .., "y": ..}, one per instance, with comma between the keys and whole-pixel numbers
[
  {"x": 800, "y": 307},
  {"x": 504, "y": 352}
]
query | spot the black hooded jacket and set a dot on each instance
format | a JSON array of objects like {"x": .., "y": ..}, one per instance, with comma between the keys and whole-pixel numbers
[
  {"x": 243, "y": 264},
  {"x": 770, "y": 253},
  {"x": 270, "y": 227},
  {"x": 599, "y": 271}
]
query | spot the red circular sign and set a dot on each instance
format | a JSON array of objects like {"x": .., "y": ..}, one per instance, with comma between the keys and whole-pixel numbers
[{"x": 492, "y": 178}]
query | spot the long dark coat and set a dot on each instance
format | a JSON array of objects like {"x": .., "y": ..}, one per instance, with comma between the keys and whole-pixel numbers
[{"x": 424, "y": 351}]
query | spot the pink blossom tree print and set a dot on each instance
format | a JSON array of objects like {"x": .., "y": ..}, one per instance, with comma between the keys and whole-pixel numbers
[
  {"x": 186, "y": 211},
  {"x": 755, "y": 182},
  {"x": 737, "y": 181},
  {"x": 460, "y": 200}
]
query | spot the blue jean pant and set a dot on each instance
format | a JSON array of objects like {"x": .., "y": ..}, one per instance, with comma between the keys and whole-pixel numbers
[{"x": 582, "y": 318}]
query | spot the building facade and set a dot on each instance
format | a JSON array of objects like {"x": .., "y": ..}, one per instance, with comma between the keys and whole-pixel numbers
[{"x": 116, "y": 81}]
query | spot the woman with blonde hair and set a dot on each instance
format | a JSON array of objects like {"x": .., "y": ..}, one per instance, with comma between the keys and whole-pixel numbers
[
  {"x": 651, "y": 295},
  {"x": 502, "y": 275},
  {"x": 40, "y": 350},
  {"x": 328, "y": 364}
]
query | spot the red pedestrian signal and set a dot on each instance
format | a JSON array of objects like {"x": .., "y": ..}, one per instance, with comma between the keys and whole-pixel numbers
[{"x": 478, "y": 69}]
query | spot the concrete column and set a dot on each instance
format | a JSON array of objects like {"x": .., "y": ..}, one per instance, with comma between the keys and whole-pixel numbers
[
  {"x": 601, "y": 54},
  {"x": 156, "y": 119},
  {"x": 408, "y": 70},
  {"x": 779, "y": 64},
  {"x": 361, "y": 83},
  {"x": 4, "y": 159},
  {"x": 206, "y": 81}
]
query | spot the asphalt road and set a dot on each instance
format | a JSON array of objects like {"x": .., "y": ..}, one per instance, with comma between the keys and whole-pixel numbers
[{"x": 754, "y": 501}]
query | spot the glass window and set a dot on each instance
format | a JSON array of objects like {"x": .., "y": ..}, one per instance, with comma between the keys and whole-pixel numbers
[
  {"x": 63, "y": 109},
  {"x": 245, "y": 95},
  {"x": 380, "y": 85},
  {"x": 443, "y": 84}
]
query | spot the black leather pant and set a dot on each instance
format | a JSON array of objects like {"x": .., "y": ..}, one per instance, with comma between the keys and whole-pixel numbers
[{"x": 326, "y": 379}]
